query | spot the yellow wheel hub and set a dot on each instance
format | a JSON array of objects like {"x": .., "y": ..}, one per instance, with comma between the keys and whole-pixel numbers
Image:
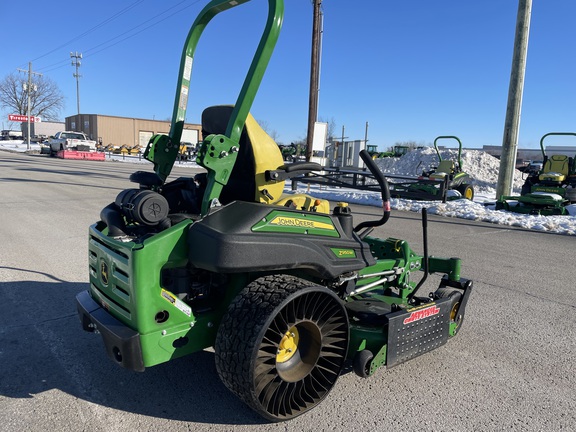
[
  {"x": 453, "y": 311},
  {"x": 288, "y": 345}
]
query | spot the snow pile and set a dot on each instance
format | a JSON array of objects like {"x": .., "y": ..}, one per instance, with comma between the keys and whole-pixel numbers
[
  {"x": 482, "y": 167},
  {"x": 461, "y": 208}
]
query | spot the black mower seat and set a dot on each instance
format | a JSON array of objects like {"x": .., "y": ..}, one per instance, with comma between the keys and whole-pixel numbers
[{"x": 258, "y": 152}]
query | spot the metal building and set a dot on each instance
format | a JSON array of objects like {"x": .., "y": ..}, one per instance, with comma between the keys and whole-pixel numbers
[
  {"x": 41, "y": 130},
  {"x": 126, "y": 131}
]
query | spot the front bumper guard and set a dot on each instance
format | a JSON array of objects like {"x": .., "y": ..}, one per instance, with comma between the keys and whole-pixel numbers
[{"x": 121, "y": 342}]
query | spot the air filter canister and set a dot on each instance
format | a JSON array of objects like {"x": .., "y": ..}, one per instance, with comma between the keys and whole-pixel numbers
[{"x": 143, "y": 206}]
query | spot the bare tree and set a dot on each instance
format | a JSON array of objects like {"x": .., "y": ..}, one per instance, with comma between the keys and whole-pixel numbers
[
  {"x": 266, "y": 127},
  {"x": 46, "y": 100}
]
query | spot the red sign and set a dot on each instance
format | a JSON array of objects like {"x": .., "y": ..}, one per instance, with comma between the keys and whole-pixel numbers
[
  {"x": 422, "y": 313},
  {"x": 22, "y": 118}
]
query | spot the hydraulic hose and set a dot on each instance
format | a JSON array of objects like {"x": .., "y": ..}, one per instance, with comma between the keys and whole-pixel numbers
[
  {"x": 383, "y": 183},
  {"x": 111, "y": 216}
]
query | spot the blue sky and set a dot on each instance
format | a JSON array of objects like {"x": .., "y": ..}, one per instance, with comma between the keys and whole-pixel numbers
[{"x": 413, "y": 69}]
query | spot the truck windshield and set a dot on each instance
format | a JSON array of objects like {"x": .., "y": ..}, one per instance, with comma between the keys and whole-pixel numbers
[{"x": 73, "y": 136}]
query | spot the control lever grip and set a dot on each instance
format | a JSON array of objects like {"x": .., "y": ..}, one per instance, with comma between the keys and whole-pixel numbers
[{"x": 385, "y": 190}]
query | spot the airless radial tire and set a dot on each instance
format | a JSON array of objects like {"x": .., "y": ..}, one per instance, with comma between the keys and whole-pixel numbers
[{"x": 282, "y": 345}]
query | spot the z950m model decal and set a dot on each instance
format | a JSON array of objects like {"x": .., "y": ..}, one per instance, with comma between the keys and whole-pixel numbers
[{"x": 343, "y": 253}]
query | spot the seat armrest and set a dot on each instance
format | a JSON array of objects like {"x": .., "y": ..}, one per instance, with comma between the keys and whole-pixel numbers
[{"x": 292, "y": 170}]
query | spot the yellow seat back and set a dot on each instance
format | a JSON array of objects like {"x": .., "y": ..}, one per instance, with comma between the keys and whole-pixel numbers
[
  {"x": 258, "y": 153},
  {"x": 267, "y": 156},
  {"x": 445, "y": 167},
  {"x": 556, "y": 168}
]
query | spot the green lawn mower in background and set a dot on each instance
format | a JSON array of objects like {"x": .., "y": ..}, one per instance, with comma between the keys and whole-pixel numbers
[
  {"x": 285, "y": 290},
  {"x": 548, "y": 191},
  {"x": 447, "y": 169}
]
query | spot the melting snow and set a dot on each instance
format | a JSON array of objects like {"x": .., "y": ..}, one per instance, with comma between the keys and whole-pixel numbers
[{"x": 482, "y": 168}]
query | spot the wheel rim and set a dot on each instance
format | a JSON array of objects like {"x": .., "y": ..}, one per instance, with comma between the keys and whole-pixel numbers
[
  {"x": 289, "y": 383},
  {"x": 288, "y": 345},
  {"x": 453, "y": 311},
  {"x": 468, "y": 193},
  {"x": 305, "y": 355},
  {"x": 455, "y": 318}
]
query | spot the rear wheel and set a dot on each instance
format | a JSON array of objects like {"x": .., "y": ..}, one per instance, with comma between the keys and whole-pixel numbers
[
  {"x": 282, "y": 345},
  {"x": 467, "y": 191}
]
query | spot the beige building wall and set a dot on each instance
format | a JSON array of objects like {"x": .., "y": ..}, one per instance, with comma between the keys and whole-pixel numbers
[{"x": 120, "y": 131}]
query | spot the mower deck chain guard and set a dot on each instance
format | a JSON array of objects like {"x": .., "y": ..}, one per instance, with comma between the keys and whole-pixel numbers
[{"x": 416, "y": 331}]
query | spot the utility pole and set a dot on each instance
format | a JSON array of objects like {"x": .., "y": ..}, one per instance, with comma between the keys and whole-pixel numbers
[
  {"x": 314, "y": 77},
  {"x": 29, "y": 87},
  {"x": 336, "y": 145},
  {"x": 77, "y": 63},
  {"x": 514, "y": 107}
]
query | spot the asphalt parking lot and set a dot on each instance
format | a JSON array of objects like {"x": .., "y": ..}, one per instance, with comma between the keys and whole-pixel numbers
[{"x": 510, "y": 368}]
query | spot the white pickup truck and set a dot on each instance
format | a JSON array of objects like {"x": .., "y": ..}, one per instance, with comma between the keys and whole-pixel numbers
[{"x": 70, "y": 141}]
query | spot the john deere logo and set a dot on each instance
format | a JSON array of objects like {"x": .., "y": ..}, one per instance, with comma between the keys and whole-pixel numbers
[
  {"x": 300, "y": 223},
  {"x": 104, "y": 272}
]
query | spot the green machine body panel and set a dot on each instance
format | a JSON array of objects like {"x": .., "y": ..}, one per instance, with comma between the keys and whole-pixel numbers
[{"x": 133, "y": 282}]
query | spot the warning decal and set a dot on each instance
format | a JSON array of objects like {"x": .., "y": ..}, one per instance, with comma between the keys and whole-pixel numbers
[{"x": 176, "y": 302}]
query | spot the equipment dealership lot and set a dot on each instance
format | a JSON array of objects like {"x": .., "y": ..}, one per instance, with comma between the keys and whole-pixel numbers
[{"x": 511, "y": 367}]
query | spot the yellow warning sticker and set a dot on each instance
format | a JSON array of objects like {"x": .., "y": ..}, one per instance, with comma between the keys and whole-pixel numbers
[{"x": 176, "y": 302}]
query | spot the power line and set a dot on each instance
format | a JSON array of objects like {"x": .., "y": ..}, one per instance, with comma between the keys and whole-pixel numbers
[
  {"x": 107, "y": 44},
  {"x": 59, "y": 64},
  {"x": 140, "y": 25},
  {"x": 106, "y": 21}
]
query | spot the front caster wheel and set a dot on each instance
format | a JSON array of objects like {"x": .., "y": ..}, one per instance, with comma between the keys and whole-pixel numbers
[
  {"x": 456, "y": 318},
  {"x": 282, "y": 345},
  {"x": 362, "y": 362}
]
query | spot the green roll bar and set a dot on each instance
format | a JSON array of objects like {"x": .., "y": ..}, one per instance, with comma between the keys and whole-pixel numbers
[
  {"x": 555, "y": 134},
  {"x": 218, "y": 152},
  {"x": 459, "y": 147}
]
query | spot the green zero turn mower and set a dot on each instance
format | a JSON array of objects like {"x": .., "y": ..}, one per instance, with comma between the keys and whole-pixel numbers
[
  {"x": 548, "y": 191},
  {"x": 285, "y": 290},
  {"x": 447, "y": 170}
]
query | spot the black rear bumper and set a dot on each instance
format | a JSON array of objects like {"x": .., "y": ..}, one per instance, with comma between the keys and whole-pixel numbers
[{"x": 122, "y": 343}]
